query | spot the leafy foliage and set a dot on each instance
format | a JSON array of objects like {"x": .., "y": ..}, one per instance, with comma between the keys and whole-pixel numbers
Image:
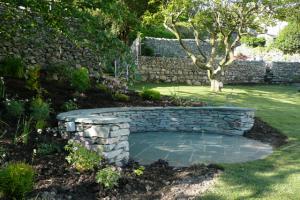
[
  {"x": 253, "y": 41},
  {"x": 121, "y": 97},
  {"x": 16, "y": 180},
  {"x": 23, "y": 130},
  {"x": 69, "y": 105},
  {"x": 80, "y": 80},
  {"x": 40, "y": 109},
  {"x": 147, "y": 51},
  {"x": 288, "y": 39},
  {"x": 33, "y": 78},
  {"x": 81, "y": 158},
  {"x": 14, "y": 108},
  {"x": 44, "y": 149},
  {"x": 59, "y": 71},
  {"x": 108, "y": 177},
  {"x": 149, "y": 94},
  {"x": 139, "y": 171},
  {"x": 12, "y": 66}
]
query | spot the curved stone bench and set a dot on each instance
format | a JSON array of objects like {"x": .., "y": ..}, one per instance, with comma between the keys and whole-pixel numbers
[{"x": 108, "y": 129}]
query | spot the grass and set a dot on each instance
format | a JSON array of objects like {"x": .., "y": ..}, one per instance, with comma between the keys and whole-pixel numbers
[{"x": 276, "y": 177}]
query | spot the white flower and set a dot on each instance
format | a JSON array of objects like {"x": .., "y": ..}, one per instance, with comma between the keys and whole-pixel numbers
[{"x": 39, "y": 131}]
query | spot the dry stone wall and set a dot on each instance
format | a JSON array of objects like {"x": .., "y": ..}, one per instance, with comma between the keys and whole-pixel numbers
[
  {"x": 182, "y": 70},
  {"x": 283, "y": 72},
  {"x": 170, "y": 64},
  {"x": 40, "y": 44},
  {"x": 107, "y": 129}
]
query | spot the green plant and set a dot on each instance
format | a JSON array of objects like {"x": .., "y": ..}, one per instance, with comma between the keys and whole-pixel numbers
[
  {"x": 81, "y": 158},
  {"x": 108, "y": 177},
  {"x": 146, "y": 50},
  {"x": 2, "y": 88},
  {"x": 44, "y": 149},
  {"x": 59, "y": 71},
  {"x": 139, "y": 171},
  {"x": 69, "y": 105},
  {"x": 80, "y": 79},
  {"x": 148, "y": 94},
  {"x": 14, "y": 108},
  {"x": 39, "y": 111},
  {"x": 33, "y": 78},
  {"x": 103, "y": 88},
  {"x": 16, "y": 180},
  {"x": 121, "y": 97},
  {"x": 23, "y": 130},
  {"x": 12, "y": 66},
  {"x": 288, "y": 39},
  {"x": 253, "y": 41}
]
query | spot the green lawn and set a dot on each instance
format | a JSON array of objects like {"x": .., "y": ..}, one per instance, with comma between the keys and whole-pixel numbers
[{"x": 277, "y": 176}]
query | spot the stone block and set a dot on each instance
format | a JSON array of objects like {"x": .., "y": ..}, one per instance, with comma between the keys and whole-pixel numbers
[{"x": 97, "y": 131}]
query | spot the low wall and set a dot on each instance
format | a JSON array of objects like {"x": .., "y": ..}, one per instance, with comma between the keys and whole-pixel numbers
[
  {"x": 182, "y": 70},
  {"x": 108, "y": 129},
  {"x": 283, "y": 72}
]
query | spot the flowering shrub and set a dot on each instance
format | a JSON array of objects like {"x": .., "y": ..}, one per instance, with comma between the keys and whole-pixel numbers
[
  {"x": 114, "y": 84},
  {"x": 81, "y": 158},
  {"x": 108, "y": 177}
]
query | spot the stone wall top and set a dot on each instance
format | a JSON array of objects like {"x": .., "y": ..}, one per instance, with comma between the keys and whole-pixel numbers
[{"x": 87, "y": 115}]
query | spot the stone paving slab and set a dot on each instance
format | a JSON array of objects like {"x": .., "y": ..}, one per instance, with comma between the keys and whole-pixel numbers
[{"x": 184, "y": 148}]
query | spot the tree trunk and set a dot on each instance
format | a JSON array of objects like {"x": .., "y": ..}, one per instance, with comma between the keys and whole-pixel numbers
[{"x": 216, "y": 85}]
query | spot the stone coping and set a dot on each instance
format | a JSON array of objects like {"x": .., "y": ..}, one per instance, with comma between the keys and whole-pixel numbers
[{"x": 90, "y": 115}]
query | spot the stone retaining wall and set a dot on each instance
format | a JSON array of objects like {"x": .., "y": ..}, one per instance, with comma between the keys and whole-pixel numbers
[
  {"x": 283, "y": 72},
  {"x": 182, "y": 70},
  {"x": 107, "y": 129}
]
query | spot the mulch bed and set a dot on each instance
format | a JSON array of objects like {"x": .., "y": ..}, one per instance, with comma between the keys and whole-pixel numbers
[{"x": 57, "y": 180}]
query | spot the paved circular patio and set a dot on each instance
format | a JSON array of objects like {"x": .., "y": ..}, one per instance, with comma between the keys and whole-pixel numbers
[{"x": 184, "y": 149}]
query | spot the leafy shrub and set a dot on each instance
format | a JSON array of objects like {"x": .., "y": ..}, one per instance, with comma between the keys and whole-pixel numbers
[
  {"x": 149, "y": 94},
  {"x": 121, "y": 97},
  {"x": 288, "y": 39},
  {"x": 108, "y": 177},
  {"x": 16, "y": 180},
  {"x": 253, "y": 41},
  {"x": 157, "y": 31},
  {"x": 40, "y": 112},
  {"x": 59, "y": 71},
  {"x": 81, "y": 158},
  {"x": 2, "y": 88},
  {"x": 14, "y": 108},
  {"x": 44, "y": 149},
  {"x": 69, "y": 105},
  {"x": 146, "y": 50},
  {"x": 103, "y": 88},
  {"x": 80, "y": 80},
  {"x": 139, "y": 171},
  {"x": 12, "y": 66},
  {"x": 33, "y": 78}
]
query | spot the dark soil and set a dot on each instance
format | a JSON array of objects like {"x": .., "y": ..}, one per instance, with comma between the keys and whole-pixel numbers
[
  {"x": 265, "y": 133},
  {"x": 55, "y": 178}
]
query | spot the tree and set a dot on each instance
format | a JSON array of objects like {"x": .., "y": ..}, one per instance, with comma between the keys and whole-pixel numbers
[
  {"x": 288, "y": 39},
  {"x": 220, "y": 22}
]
